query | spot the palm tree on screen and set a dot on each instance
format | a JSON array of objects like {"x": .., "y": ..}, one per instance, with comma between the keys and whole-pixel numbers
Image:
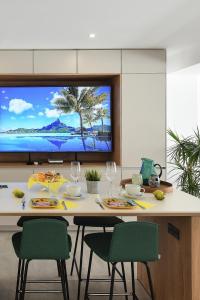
[
  {"x": 80, "y": 101},
  {"x": 89, "y": 117},
  {"x": 102, "y": 113}
]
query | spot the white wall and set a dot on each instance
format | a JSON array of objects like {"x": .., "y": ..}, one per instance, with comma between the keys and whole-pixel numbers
[{"x": 182, "y": 102}]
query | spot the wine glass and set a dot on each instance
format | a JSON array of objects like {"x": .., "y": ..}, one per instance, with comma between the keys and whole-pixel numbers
[
  {"x": 75, "y": 170},
  {"x": 111, "y": 171}
]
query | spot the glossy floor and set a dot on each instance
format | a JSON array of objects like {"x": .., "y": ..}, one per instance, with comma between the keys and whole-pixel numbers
[{"x": 47, "y": 270}]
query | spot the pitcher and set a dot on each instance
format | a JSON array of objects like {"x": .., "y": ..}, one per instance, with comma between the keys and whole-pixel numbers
[{"x": 148, "y": 169}]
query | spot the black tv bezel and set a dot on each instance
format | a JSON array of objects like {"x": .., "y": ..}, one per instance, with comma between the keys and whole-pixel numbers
[{"x": 59, "y": 84}]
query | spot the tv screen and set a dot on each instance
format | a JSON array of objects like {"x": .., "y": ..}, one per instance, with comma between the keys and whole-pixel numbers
[{"x": 55, "y": 119}]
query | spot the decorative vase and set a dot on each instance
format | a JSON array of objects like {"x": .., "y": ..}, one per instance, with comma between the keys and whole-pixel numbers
[{"x": 93, "y": 187}]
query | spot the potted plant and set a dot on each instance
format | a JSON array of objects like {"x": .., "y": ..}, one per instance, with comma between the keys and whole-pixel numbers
[
  {"x": 92, "y": 177},
  {"x": 184, "y": 157}
]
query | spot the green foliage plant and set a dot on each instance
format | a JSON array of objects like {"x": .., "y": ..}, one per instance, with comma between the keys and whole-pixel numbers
[
  {"x": 92, "y": 175},
  {"x": 184, "y": 155}
]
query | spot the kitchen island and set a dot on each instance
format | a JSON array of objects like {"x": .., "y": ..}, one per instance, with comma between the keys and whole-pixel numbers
[{"x": 176, "y": 274}]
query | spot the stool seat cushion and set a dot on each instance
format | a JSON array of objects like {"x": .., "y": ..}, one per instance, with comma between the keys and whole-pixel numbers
[
  {"x": 16, "y": 240},
  {"x": 24, "y": 219},
  {"x": 99, "y": 243},
  {"x": 97, "y": 221}
]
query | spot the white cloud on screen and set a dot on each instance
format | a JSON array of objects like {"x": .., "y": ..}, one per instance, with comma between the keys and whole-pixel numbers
[
  {"x": 4, "y": 107},
  {"x": 55, "y": 97},
  {"x": 18, "y": 106},
  {"x": 31, "y": 117},
  {"x": 52, "y": 113},
  {"x": 98, "y": 106},
  {"x": 40, "y": 114}
]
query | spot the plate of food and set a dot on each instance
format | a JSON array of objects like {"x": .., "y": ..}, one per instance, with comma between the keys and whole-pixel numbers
[
  {"x": 50, "y": 176},
  {"x": 118, "y": 203},
  {"x": 51, "y": 180},
  {"x": 44, "y": 202}
]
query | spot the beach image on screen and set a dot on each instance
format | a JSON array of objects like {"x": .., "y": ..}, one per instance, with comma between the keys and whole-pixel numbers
[{"x": 55, "y": 119}]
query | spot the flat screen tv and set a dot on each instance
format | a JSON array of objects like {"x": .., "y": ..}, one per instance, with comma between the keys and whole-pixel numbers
[{"x": 55, "y": 119}]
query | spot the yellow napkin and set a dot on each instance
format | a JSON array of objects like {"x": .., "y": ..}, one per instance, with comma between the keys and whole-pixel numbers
[
  {"x": 69, "y": 204},
  {"x": 53, "y": 186},
  {"x": 144, "y": 203}
]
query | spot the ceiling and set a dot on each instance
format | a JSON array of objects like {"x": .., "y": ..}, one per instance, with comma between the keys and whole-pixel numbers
[{"x": 58, "y": 24}]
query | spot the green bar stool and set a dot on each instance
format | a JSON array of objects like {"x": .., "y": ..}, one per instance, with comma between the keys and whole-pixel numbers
[
  {"x": 41, "y": 239},
  {"x": 23, "y": 219},
  {"x": 82, "y": 223},
  {"x": 130, "y": 242}
]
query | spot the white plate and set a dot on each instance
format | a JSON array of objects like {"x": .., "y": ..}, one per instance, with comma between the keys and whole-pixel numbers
[
  {"x": 65, "y": 195},
  {"x": 132, "y": 196}
]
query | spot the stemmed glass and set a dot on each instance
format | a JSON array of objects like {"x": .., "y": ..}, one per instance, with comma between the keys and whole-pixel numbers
[
  {"x": 111, "y": 171},
  {"x": 75, "y": 170}
]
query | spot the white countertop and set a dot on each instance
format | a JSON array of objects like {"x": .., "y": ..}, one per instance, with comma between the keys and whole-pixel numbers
[{"x": 176, "y": 203}]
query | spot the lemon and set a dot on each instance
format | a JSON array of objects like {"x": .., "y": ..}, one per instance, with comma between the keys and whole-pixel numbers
[
  {"x": 18, "y": 193},
  {"x": 159, "y": 195}
]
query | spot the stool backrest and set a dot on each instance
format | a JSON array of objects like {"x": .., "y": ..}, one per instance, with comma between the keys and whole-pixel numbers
[
  {"x": 44, "y": 239},
  {"x": 134, "y": 241}
]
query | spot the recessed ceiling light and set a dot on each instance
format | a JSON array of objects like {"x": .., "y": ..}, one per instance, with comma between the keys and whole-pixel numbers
[{"x": 92, "y": 35}]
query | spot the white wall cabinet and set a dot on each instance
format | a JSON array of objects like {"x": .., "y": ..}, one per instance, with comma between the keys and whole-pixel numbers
[
  {"x": 143, "y": 61},
  {"x": 16, "y": 61},
  {"x": 143, "y": 85},
  {"x": 143, "y": 118},
  {"x": 55, "y": 61},
  {"x": 99, "y": 61}
]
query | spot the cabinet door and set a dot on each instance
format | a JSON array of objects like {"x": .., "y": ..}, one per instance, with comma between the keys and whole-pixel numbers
[
  {"x": 55, "y": 61},
  {"x": 143, "y": 61},
  {"x": 16, "y": 61},
  {"x": 143, "y": 118},
  {"x": 99, "y": 61}
]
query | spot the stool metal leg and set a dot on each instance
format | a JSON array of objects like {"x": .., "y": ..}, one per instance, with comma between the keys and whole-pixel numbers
[
  {"x": 63, "y": 280},
  {"x": 22, "y": 274},
  {"x": 18, "y": 279},
  {"x": 124, "y": 279},
  {"x": 75, "y": 249},
  {"x": 88, "y": 275},
  {"x": 150, "y": 280},
  {"x": 112, "y": 281},
  {"x": 21, "y": 279},
  {"x": 58, "y": 267},
  {"x": 66, "y": 279},
  {"x": 133, "y": 281},
  {"x": 24, "y": 280},
  {"x": 81, "y": 263},
  {"x": 104, "y": 230}
]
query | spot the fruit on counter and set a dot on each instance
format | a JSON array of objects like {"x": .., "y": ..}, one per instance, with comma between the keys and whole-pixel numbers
[
  {"x": 160, "y": 195},
  {"x": 18, "y": 193}
]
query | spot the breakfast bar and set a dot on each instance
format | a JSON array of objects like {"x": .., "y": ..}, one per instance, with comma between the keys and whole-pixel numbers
[{"x": 176, "y": 274}]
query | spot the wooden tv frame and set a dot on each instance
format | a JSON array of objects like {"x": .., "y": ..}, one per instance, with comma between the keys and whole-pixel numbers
[{"x": 89, "y": 79}]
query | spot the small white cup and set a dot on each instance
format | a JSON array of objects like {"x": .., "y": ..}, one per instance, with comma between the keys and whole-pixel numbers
[
  {"x": 73, "y": 190},
  {"x": 134, "y": 190}
]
